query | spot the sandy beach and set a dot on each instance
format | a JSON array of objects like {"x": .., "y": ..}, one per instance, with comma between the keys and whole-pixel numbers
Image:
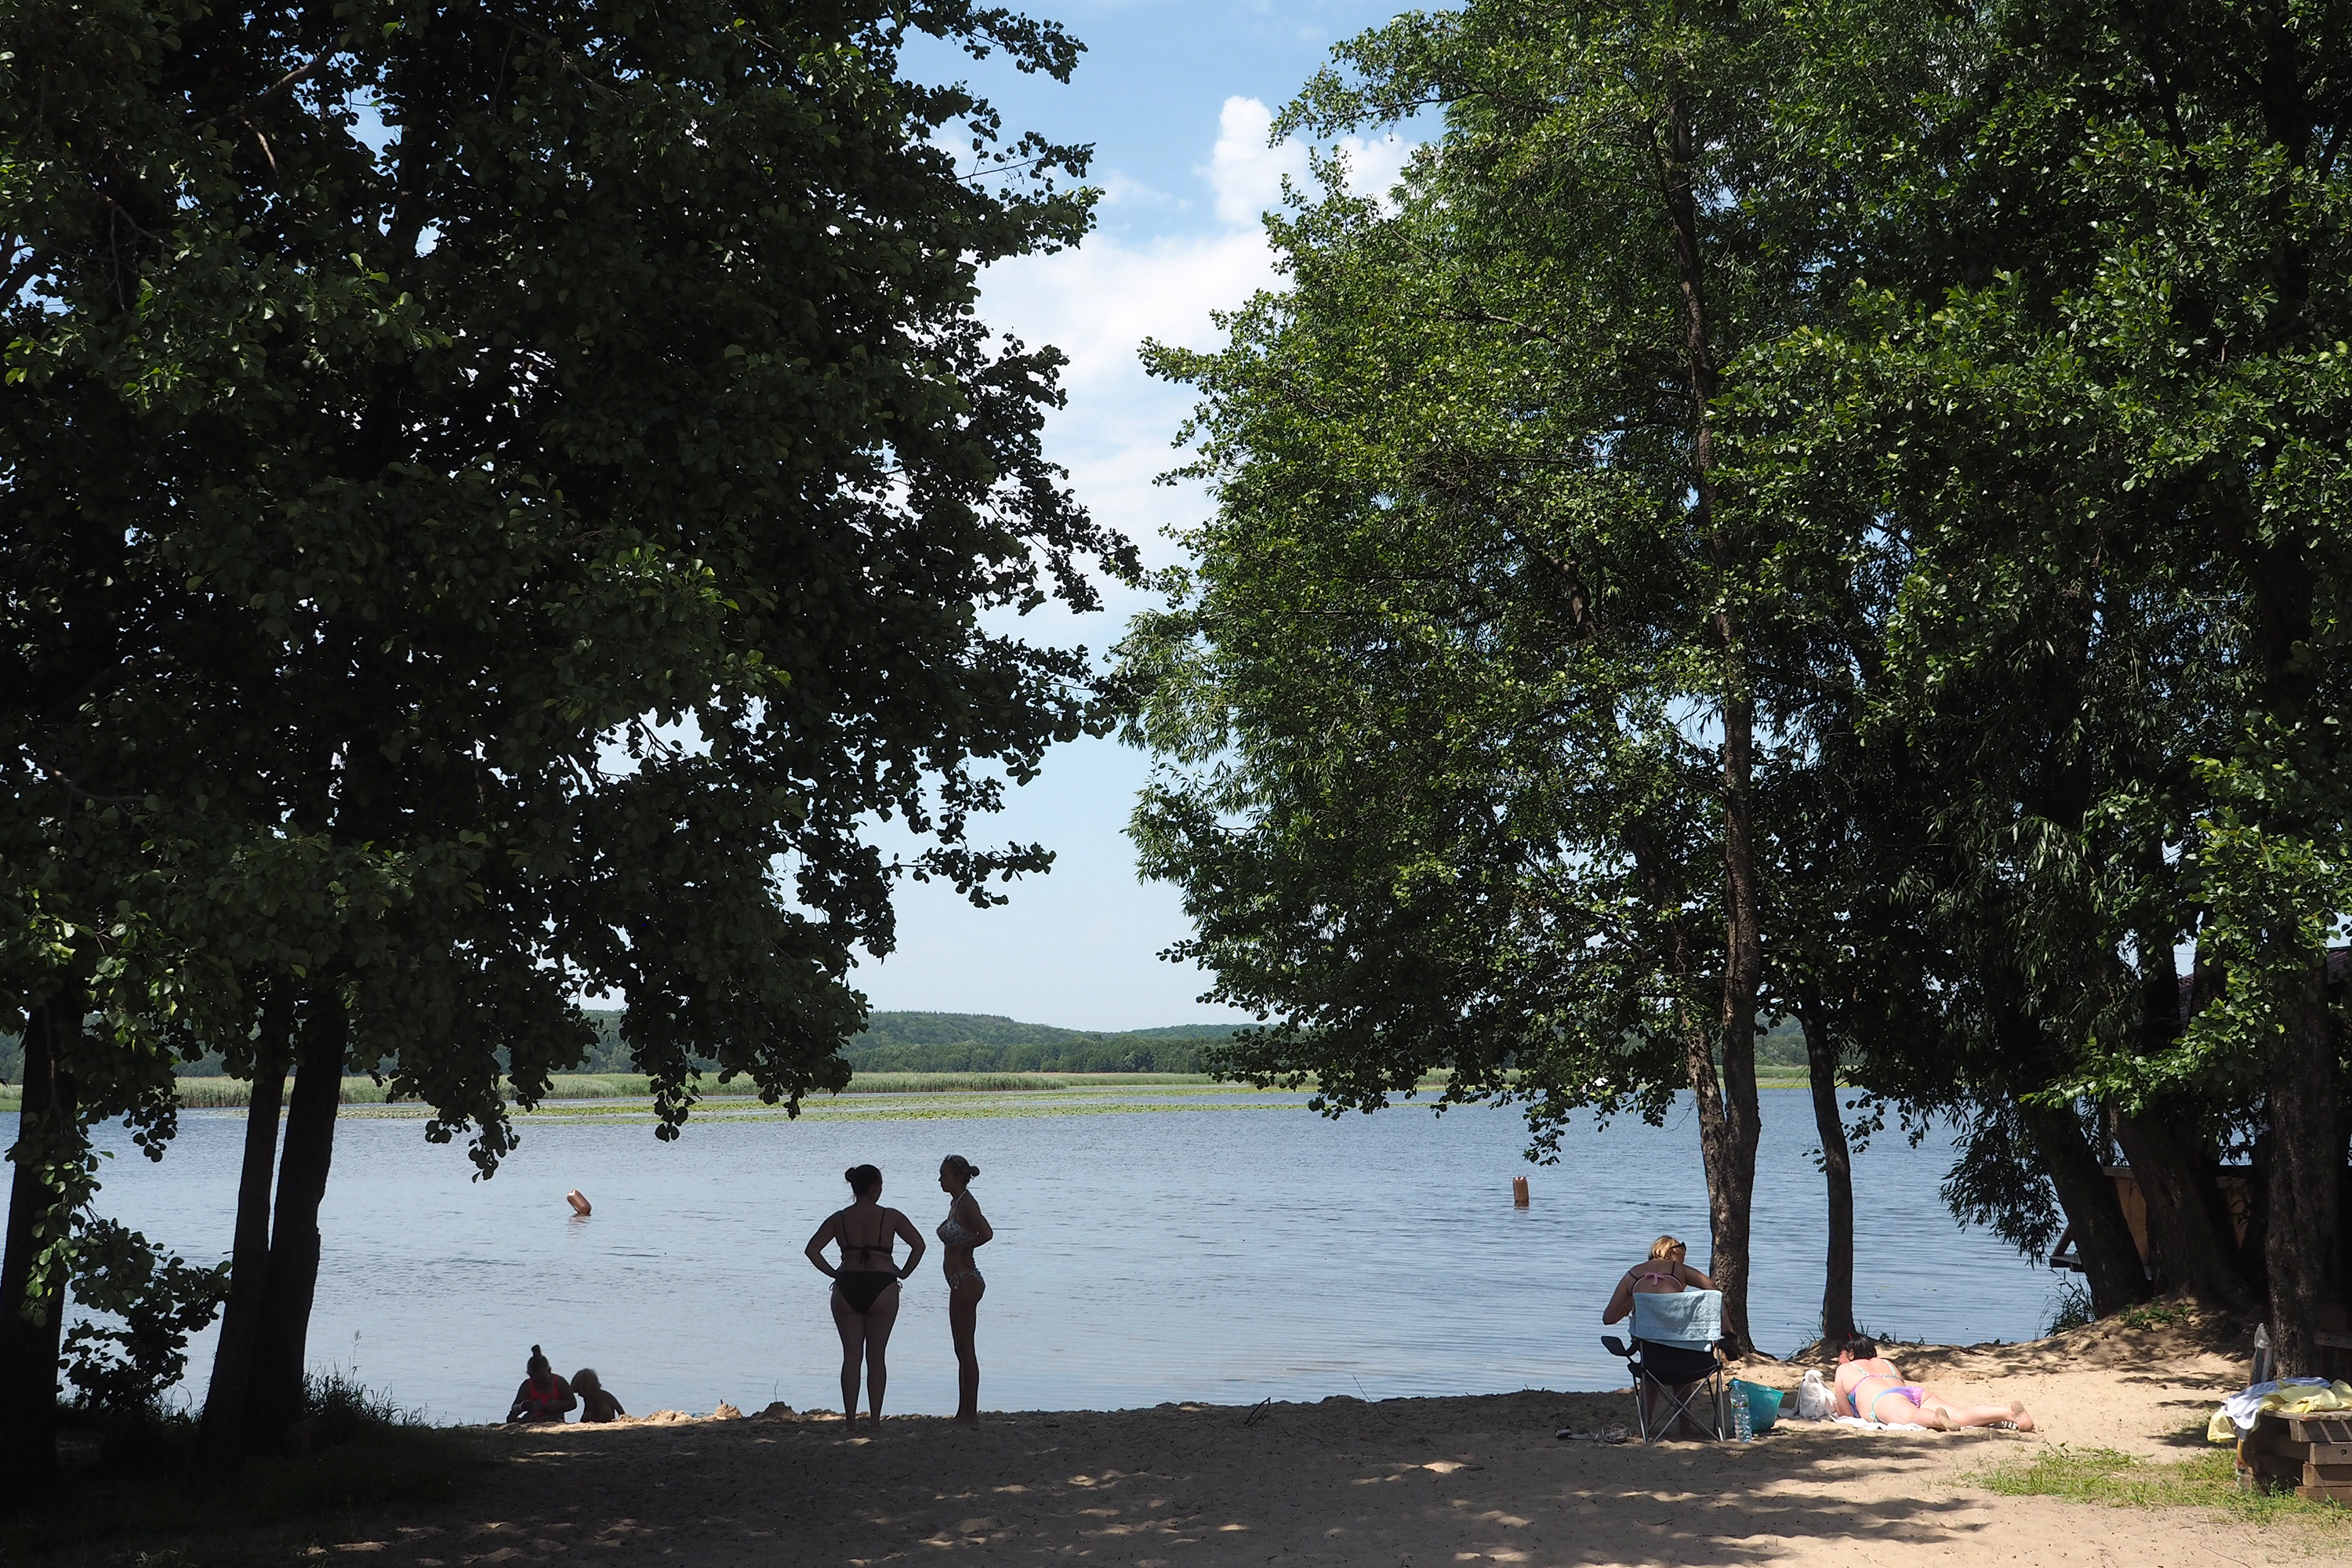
[{"x": 1408, "y": 1481}]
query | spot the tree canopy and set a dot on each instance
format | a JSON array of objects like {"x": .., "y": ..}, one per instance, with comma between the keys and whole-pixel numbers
[
  {"x": 496, "y": 501},
  {"x": 1831, "y": 511}
]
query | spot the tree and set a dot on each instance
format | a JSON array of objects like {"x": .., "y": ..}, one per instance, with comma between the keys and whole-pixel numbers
[
  {"x": 2097, "y": 395},
  {"x": 1472, "y": 647},
  {"x": 551, "y": 533}
]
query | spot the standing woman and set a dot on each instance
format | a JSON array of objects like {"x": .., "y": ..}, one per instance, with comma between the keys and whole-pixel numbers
[
  {"x": 964, "y": 1228},
  {"x": 866, "y": 1286}
]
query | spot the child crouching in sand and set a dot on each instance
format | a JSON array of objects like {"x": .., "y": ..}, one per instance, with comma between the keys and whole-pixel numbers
[{"x": 596, "y": 1404}]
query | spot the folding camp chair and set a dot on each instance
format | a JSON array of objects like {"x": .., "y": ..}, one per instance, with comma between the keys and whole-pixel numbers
[{"x": 1677, "y": 1373}]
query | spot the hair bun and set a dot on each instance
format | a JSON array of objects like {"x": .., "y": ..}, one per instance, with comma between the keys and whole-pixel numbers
[{"x": 536, "y": 1351}]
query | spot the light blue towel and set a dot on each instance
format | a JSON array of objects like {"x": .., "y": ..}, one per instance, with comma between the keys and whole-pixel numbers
[{"x": 1688, "y": 1320}]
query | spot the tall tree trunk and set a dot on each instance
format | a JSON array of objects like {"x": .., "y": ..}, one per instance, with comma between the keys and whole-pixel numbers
[
  {"x": 1727, "y": 1195},
  {"x": 32, "y": 1322},
  {"x": 1732, "y": 1140},
  {"x": 2306, "y": 1097},
  {"x": 2187, "y": 1250},
  {"x": 2101, "y": 1235},
  {"x": 273, "y": 1400},
  {"x": 222, "y": 1434},
  {"x": 2190, "y": 1248},
  {"x": 1837, "y": 1168},
  {"x": 1715, "y": 1140}
]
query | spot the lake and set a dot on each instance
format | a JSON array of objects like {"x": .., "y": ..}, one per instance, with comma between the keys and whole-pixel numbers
[{"x": 1224, "y": 1247}]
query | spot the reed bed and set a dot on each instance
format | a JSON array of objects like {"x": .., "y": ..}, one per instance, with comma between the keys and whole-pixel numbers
[{"x": 234, "y": 1094}]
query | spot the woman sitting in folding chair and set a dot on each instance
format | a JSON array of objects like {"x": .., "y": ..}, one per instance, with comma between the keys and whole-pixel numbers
[
  {"x": 1683, "y": 1374},
  {"x": 1666, "y": 1272}
]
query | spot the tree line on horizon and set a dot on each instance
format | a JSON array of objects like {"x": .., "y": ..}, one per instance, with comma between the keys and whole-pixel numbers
[
  {"x": 962, "y": 1042},
  {"x": 1835, "y": 511}
]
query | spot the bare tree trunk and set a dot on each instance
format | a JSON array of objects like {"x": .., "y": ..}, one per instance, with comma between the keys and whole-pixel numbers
[
  {"x": 281, "y": 1338},
  {"x": 2306, "y": 1178},
  {"x": 2102, "y": 1237},
  {"x": 1727, "y": 1195},
  {"x": 2188, "y": 1251},
  {"x": 32, "y": 1322},
  {"x": 1837, "y": 1168},
  {"x": 222, "y": 1434}
]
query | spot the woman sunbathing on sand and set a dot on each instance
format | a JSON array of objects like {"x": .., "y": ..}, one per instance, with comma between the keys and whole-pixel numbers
[
  {"x": 866, "y": 1286},
  {"x": 1869, "y": 1386},
  {"x": 1664, "y": 1274}
]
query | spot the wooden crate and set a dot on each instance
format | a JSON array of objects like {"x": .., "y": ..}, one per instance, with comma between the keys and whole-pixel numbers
[{"x": 2312, "y": 1454}]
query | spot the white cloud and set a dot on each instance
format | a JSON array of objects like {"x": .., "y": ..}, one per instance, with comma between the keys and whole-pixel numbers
[
  {"x": 1246, "y": 169},
  {"x": 1121, "y": 190},
  {"x": 1076, "y": 948},
  {"x": 1098, "y": 303}
]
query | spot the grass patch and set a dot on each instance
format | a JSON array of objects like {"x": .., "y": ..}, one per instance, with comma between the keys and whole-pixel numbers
[
  {"x": 2124, "y": 1480},
  {"x": 2156, "y": 1315},
  {"x": 2070, "y": 1308}
]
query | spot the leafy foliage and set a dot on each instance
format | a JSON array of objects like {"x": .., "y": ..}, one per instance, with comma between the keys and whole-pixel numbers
[
  {"x": 522, "y": 536},
  {"x": 157, "y": 1300},
  {"x": 2008, "y": 521}
]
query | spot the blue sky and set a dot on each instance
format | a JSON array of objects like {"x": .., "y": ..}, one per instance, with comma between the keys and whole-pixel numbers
[{"x": 1177, "y": 99}]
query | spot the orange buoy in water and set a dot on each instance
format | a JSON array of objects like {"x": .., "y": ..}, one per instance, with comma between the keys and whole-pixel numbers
[
  {"x": 1518, "y": 1192},
  {"x": 580, "y": 1205}
]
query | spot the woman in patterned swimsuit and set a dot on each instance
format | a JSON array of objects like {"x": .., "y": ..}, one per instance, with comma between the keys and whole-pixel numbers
[
  {"x": 1872, "y": 1389},
  {"x": 964, "y": 1228}
]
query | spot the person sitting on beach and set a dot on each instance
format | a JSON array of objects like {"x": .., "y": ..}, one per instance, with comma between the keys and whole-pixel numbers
[
  {"x": 1869, "y": 1387},
  {"x": 544, "y": 1396},
  {"x": 1664, "y": 1274},
  {"x": 866, "y": 1286},
  {"x": 596, "y": 1401}
]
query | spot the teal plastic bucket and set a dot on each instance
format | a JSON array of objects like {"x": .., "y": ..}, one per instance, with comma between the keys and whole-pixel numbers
[{"x": 1763, "y": 1404}]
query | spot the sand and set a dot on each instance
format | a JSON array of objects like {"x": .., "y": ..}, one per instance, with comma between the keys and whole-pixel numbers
[{"x": 1405, "y": 1481}]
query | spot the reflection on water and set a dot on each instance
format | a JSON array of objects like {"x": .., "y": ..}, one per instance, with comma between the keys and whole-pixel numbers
[{"x": 1211, "y": 1253}]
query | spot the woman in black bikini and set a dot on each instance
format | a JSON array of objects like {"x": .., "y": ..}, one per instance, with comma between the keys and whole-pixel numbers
[{"x": 866, "y": 1286}]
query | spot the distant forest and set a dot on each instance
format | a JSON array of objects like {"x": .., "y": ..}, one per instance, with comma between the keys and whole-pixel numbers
[
  {"x": 981, "y": 1041},
  {"x": 978, "y": 1042}
]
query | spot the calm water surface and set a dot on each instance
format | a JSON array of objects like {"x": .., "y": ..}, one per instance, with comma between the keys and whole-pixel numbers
[{"x": 1222, "y": 1252}]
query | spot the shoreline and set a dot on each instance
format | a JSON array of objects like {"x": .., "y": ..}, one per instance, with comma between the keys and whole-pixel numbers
[{"x": 1347, "y": 1480}]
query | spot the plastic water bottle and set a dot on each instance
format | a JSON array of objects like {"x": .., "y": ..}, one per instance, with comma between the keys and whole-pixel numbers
[{"x": 1741, "y": 1421}]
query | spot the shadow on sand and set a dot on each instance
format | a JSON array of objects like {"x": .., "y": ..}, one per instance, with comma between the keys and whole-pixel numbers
[{"x": 1422, "y": 1481}]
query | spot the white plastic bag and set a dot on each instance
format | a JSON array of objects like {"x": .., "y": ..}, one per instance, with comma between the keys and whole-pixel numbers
[{"x": 1814, "y": 1400}]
